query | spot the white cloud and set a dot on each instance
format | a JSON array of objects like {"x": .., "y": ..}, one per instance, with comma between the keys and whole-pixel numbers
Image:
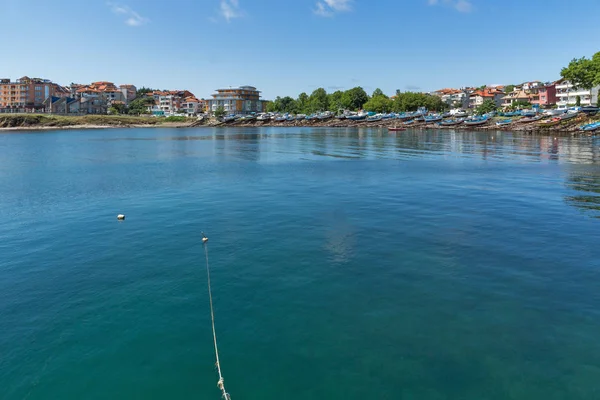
[
  {"x": 463, "y": 6},
  {"x": 132, "y": 18},
  {"x": 230, "y": 9},
  {"x": 327, "y": 8}
]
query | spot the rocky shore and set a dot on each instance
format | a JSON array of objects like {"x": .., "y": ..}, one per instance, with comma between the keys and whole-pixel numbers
[{"x": 566, "y": 127}]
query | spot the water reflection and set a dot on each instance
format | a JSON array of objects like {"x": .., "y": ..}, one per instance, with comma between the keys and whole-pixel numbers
[{"x": 587, "y": 184}]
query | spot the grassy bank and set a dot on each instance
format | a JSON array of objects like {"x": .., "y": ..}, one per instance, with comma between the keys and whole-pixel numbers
[{"x": 59, "y": 121}]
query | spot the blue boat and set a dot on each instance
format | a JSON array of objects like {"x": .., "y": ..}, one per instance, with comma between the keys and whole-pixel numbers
[
  {"x": 432, "y": 118},
  {"x": 528, "y": 113},
  {"x": 375, "y": 118},
  {"x": 451, "y": 122},
  {"x": 504, "y": 122},
  {"x": 590, "y": 127},
  {"x": 476, "y": 121},
  {"x": 511, "y": 114},
  {"x": 357, "y": 117}
]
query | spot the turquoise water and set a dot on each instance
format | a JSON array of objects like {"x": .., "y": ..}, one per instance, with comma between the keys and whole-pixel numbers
[{"x": 347, "y": 264}]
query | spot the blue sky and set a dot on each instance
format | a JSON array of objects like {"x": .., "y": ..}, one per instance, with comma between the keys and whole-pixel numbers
[{"x": 286, "y": 47}]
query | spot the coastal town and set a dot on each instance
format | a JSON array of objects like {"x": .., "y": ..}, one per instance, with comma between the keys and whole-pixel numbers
[{"x": 548, "y": 104}]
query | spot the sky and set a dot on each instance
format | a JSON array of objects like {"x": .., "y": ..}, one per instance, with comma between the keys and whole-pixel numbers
[{"x": 288, "y": 47}]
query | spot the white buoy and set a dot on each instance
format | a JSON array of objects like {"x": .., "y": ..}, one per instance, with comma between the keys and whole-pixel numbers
[{"x": 121, "y": 217}]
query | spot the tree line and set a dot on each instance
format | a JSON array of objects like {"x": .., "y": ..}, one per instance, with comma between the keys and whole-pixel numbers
[
  {"x": 353, "y": 100},
  {"x": 583, "y": 72}
]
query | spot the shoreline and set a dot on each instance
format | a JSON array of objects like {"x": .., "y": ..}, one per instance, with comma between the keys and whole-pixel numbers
[{"x": 567, "y": 127}]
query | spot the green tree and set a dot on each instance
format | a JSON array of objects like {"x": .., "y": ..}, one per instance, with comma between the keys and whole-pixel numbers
[
  {"x": 282, "y": 104},
  {"x": 411, "y": 101},
  {"x": 118, "y": 108},
  {"x": 302, "y": 103},
  {"x": 487, "y": 106},
  {"x": 582, "y": 72},
  {"x": 380, "y": 104},
  {"x": 578, "y": 101},
  {"x": 142, "y": 91},
  {"x": 520, "y": 104},
  {"x": 219, "y": 112},
  {"x": 354, "y": 99},
  {"x": 334, "y": 100},
  {"x": 509, "y": 88},
  {"x": 318, "y": 100},
  {"x": 140, "y": 105},
  {"x": 377, "y": 92}
]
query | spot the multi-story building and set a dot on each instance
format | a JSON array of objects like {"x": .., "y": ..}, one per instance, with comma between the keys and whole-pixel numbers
[
  {"x": 171, "y": 102},
  {"x": 129, "y": 92},
  {"x": 514, "y": 97},
  {"x": 241, "y": 100},
  {"x": 543, "y": 95},
  {"x": 453, "y": 97},
  {"x": 567, "y": 94},
  {"x": 479, "y": 96},
  {"x": 192, "y": 106},
  {"x": 27, "y": 94}
]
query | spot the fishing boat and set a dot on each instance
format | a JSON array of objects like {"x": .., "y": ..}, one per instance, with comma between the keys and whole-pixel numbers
[
  {"x": 554, "y": 112},
  {"x": 451, "y": 122},
  {"x": 568, "y": 115},
  {"x": 504, "y": 122},
  {"x": 590, "y": 127},
  {"x": 549, "y": 122},
  {"x": 528, "y": 113},
  {"x": 476, "y": 121},
  {"x": 312, "y": 117},
  {"x": 340, "y": 116},
  {"x": 412, "y": 121},
  {"x": 229, "y": 118},
  {"x": 375, "y": 118},
  {"x": 281, "y": 118},
  {"x": 357, "y": 117},
  {"x": 532, "y": 119},
  {"x": 458, "y": 113},
  {"x": 432, "y": 118},
  {"x": 591, "y": 110},
  {"x": 290, "y": 118},
  {"x": 510, "y": 114},
  {"x": 263, "y": 117},
  {"x": 250, "y": 117},
  {"x": 396, "y": 128},
  {"x": 300, "y": 117},
  {"x": 325, "y": 115}
]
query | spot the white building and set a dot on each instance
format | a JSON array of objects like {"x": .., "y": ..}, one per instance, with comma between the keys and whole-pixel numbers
[{"x": 566, "y": 94}]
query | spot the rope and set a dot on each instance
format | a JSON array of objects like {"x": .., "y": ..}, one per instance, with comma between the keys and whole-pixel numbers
[{"x": 220, "y": 382}]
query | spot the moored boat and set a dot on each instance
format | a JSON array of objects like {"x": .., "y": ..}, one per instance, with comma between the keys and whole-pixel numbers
[
  {"x": 375, "y": 118},
  {"x": 432, "y": 118},
  {"x": 590, "y": 127},
  {"x": 549, "y": 122},
  {"x": 357, "y": 117},
  {"x": 591, "y": 110},
  {"x": 504, "y": 122},
  {"x": 451, "y": 122},
  {"x": 532, "y": 119},
  {"x": 396, "y": 128},
  {"x": 300, "y": 117},
  {"x": 476, "y": 121},
  {"x": 568, "y": 115}
]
